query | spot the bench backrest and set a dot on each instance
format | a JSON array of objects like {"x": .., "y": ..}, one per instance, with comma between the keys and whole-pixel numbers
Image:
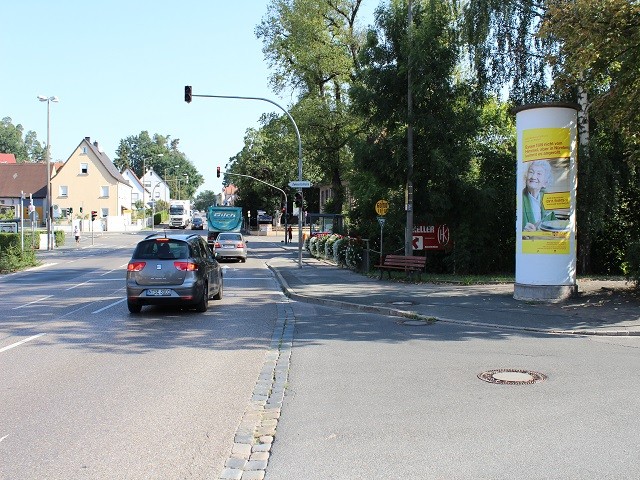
[{"x": 403, "y": 261}]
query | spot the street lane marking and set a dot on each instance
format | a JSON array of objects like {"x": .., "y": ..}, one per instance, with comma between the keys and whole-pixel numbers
[
  {"x": 109, "y": 306},
  {"x": 1, "y": 439},
  {"x": 9, "y": 347},
  {"x": 31, "y": 303}
]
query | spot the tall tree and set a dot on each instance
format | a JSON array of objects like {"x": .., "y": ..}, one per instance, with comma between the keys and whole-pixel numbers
[
  {"x": 26, "y": 149},
  {"x": 312, "y": 47}
]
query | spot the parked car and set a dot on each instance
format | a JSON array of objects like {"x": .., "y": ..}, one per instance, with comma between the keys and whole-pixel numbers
[
  {"x": 197, "y": 223},
  {"x": 231, "y": 245},
  {"x": 168, "y": 269}
]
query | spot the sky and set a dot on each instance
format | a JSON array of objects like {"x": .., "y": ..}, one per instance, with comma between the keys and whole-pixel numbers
[{"x": 119, "y": 67}]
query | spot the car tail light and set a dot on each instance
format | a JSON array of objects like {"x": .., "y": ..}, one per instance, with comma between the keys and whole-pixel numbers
[
  {"x": 217, "y": 245},
  {"x": 240, "y": 245},
  {"x": 135, "y": 266},
  {"x": 186, "y": 266}
]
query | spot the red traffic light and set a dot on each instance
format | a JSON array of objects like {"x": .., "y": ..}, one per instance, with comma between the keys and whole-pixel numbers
[
  {"x": 94, "y": 214},
  {"x": 187, "y": 93},
  {"x": 218, "y": 172}
]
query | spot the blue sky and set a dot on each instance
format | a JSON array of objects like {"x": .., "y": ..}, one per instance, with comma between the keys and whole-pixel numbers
[{"x": 119, "y": 67}]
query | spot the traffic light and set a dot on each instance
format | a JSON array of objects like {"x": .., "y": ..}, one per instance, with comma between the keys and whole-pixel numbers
[
  {"x": 298, "y": 199},
  {"x": 187, "y": 93},
  {"x": 94, "y": 214},
  {"x": 80, "y": 209},
  {"x": 218, "y": 172},
  {"x": 70, "y": 210}
]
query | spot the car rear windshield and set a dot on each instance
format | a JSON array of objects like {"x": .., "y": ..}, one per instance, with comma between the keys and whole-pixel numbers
[
  {"x": 162, "y": 249},
  {"x": 230, "y": 237}
]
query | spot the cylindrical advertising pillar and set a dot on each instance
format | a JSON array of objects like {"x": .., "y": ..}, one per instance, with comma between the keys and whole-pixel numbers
[{"x": 546, "y": 202}]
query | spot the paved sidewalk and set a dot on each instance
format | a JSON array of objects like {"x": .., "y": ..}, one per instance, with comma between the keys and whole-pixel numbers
[{"x": 600, "y": 308}]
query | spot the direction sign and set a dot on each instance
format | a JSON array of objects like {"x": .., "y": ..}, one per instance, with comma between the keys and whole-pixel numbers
[
  {"x": 381, "y": 221},
  {"x": 300, "y": 184}
]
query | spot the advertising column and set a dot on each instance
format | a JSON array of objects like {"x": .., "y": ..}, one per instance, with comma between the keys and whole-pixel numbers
[{"x": 546, "y": 202}]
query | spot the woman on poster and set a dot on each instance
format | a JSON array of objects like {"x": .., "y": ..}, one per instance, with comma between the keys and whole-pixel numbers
[{"x": 539, "y": 176}]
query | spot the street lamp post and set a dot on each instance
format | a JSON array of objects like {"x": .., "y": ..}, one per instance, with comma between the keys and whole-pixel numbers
[{"x": 49, "y": 219}]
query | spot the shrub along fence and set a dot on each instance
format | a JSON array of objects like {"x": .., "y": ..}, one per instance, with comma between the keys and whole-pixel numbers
[{"x": 344, "y": 251}]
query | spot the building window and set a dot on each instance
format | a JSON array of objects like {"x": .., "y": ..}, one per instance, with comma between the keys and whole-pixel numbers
[
  {"x": 134, "y": 197},
  {"x": 104, "y": 212},
  {"x": 104, "y": 192},
  {"x": 64, "y": 190},
  {"x": 84, "y": 168},
  {"x": 84, "y": 150}
]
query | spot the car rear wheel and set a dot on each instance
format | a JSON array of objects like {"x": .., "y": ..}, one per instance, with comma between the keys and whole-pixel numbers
[
  {"x": 203, "y": 304},
  {"x": 134, "y": 307}
]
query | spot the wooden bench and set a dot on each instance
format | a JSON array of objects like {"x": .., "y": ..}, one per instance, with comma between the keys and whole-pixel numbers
[{"x": 409, "y": 265}]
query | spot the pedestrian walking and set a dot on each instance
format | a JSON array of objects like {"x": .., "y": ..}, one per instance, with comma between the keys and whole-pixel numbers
[
  {"x": 290, "y": 232},
  {"x": 76, "y": 233}
]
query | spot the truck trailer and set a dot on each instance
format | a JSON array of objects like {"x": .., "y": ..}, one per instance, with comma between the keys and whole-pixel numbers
[{"x": 223, "y": 219}]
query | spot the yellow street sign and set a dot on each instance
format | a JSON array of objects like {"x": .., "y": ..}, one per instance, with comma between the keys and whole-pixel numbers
[{"x": 382, "y": 207}]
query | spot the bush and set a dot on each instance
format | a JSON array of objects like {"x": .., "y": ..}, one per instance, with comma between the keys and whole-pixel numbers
[
  {"x": 354, "y": 254},
  {"x": 631, "y": 264},
  {"x": 329, "y": 246},
  {"x": 322, "y": 241},
  {"x": 313, "y": 246},
  {"x": 12, "y": 258}
]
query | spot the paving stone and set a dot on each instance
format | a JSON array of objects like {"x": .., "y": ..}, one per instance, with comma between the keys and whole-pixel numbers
[
  {"x": 231, "y": 474},
  {"x": 255, "y": 465},
  {"x": 236, "y": 463},
  {"x": 253, "y": 475},
  {"x": 243, "y": 449}
]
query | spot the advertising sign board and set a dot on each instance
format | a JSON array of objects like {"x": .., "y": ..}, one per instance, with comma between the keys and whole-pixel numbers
[{"x": 431, "y": 237}]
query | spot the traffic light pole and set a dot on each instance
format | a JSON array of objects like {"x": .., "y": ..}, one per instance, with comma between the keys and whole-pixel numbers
[{"x": 188, "y": 95}]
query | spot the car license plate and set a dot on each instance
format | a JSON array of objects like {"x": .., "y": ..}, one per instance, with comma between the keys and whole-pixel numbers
[
  {"x": 227, "y": 246},
  {"x": 155, "y": 292}
]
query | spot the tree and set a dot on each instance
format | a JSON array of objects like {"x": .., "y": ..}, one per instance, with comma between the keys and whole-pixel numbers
[
  {"x": 11, "y": 141},
  {"x": 161, "y": 154},
  {"x": 204, "y": 200},
  {"x": 313, "y": 45}
]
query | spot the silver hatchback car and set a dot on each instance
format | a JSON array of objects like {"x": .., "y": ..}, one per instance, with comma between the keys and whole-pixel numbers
[
  {"x": 231, "y": 245},
  {"x": 173, "y": 270}
]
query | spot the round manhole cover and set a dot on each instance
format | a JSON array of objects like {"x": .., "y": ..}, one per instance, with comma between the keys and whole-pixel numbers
[{"x": 507, "y": 376}]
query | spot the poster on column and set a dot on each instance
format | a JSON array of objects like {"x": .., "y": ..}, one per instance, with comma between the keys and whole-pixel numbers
[{"x": 546, "y": 196}]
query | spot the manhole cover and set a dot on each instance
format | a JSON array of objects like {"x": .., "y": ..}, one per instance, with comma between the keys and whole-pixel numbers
[{"x": 511, "y": 377}]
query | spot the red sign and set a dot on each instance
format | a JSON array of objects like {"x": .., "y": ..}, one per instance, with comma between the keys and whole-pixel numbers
[{"x": 431, "y": 237}]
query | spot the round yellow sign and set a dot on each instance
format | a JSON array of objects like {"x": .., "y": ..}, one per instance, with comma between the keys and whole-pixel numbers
[{"x": 382, "y": 207}]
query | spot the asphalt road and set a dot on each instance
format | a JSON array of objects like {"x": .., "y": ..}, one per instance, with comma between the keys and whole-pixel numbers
[
  {"x": 102, "y": 394},
  {"x": 89, "y": 391}
]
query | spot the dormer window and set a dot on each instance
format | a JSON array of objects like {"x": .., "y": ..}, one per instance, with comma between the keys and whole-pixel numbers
[{"x": 84, "y": 168}]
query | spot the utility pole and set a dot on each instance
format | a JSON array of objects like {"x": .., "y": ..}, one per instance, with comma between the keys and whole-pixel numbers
[{"x": 408, "y": 193}]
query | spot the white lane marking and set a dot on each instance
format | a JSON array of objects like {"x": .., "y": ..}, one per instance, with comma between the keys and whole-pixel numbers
[
  {"x": 246, "y": 278},
  {"x": 1, "y": 439},
  {"x": 9, "y": 347},
  {"x": 109, "y": 306},
  {"x": 31, "y": 303},
  {"x": 94, "y": 280}
]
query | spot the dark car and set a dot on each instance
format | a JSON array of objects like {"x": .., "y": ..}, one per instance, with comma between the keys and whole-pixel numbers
[
  {"x": 197, "y": 223},
  {"x": 173, "y": 270}
]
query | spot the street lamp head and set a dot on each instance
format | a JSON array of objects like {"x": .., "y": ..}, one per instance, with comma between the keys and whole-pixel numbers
[{"x": 42, "y": 98}]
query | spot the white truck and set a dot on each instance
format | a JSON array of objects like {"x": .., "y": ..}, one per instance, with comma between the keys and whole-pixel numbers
[{"x": 179, "y": 213}]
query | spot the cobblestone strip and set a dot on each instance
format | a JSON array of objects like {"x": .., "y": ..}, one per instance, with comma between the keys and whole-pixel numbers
[{"x": 254, "y": 436}]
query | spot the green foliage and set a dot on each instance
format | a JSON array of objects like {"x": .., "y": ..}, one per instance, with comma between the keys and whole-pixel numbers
[
  {"x": 12, "y": 258},
  {"x": 161, "y": 154},
  {"x": 204, "y": 200},
  {"x": 26, "y": 149},
  {"x": 631, "y": 264}
]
